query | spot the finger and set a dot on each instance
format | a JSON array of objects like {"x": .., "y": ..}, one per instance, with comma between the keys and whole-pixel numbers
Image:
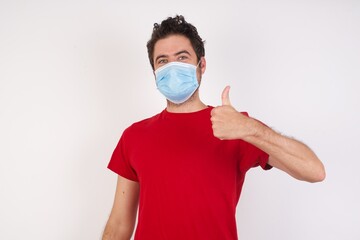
[{"x": 225, "y": 96}]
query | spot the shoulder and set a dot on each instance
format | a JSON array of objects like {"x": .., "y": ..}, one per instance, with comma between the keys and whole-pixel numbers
[{"x": 143, "y": 125}]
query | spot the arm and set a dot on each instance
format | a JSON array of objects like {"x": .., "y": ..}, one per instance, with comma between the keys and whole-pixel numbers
[
  {"x": 286, "y": 154},
  {"x": 122, "y": 218}
]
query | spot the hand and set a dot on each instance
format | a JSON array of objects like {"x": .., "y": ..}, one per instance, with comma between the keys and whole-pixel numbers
[{"x": 227, "y": 123}]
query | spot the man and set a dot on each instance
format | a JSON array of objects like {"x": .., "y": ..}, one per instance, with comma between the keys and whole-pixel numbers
[{"x": 184, "y": 167}]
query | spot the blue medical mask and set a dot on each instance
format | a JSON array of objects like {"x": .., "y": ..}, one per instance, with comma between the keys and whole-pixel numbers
[{"x": 177, "y": 81}]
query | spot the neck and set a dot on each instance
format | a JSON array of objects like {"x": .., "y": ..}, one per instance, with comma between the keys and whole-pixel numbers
[{"x": 193, "y": 104}]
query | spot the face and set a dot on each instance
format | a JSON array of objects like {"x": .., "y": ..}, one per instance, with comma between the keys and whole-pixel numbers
[{"x": 176, "y": 48}]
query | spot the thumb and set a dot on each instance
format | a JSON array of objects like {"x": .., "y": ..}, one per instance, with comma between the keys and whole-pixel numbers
[{"x": 225, "y": 96}]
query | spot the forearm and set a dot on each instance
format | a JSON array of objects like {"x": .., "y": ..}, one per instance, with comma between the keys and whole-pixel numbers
[
  {"x": 116, "y": 232},
  {"x": 286, "y": 153}
]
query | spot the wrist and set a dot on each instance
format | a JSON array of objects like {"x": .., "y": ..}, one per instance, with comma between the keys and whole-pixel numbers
[{"x": 255, "y": 129}]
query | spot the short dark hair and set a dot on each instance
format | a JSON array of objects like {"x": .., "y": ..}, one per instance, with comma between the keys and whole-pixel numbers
[{"x": 175, "y": 26}]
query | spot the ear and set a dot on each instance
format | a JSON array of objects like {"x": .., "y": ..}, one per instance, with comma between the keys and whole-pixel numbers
[{"x": 202, "y": 65}]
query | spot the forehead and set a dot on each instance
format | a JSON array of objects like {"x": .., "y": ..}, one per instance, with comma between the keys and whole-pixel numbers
[{"x": 172, "y": 44}]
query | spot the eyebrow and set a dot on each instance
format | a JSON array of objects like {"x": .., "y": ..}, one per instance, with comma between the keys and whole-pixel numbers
[{"x": 176, "y": 54}]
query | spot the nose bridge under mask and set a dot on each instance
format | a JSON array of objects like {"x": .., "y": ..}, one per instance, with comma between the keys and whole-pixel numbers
[{"x": 175, "y": 63}]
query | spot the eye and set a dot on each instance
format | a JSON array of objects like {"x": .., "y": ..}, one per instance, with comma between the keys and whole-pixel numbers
[
  {"x": 182, "y": 58},
  {"x": 162, "y": 61}
]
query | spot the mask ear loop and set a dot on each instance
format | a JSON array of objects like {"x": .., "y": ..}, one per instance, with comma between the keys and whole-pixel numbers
[
  {"x": 198, "y": 63},
  {"x": 200, "y": 71}
]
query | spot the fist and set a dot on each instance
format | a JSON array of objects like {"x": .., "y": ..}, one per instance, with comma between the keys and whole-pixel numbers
[{"x": 227, "y": 123}]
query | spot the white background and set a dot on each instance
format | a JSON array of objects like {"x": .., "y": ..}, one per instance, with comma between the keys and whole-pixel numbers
[{"x": 75, "y": 74}]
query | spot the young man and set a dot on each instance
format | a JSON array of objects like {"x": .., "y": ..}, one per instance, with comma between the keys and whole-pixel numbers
[{"x": 184, "y": 167}]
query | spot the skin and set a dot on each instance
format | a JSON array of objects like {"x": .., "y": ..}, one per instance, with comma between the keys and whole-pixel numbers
[{"x": 286, "y": 154}]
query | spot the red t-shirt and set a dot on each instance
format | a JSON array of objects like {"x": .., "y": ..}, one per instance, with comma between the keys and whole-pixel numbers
[{"x": 190, "y": 181}]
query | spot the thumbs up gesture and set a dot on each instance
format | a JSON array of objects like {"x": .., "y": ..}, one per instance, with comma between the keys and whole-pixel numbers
[{"x": 227, "y": 123}]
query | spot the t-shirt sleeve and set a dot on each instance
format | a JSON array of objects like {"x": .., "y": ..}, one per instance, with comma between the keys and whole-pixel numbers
[
  {"x": 120, "y": 162},
  {"x": 259, "y": 157},
  {"x": 256, "y": 156}
]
